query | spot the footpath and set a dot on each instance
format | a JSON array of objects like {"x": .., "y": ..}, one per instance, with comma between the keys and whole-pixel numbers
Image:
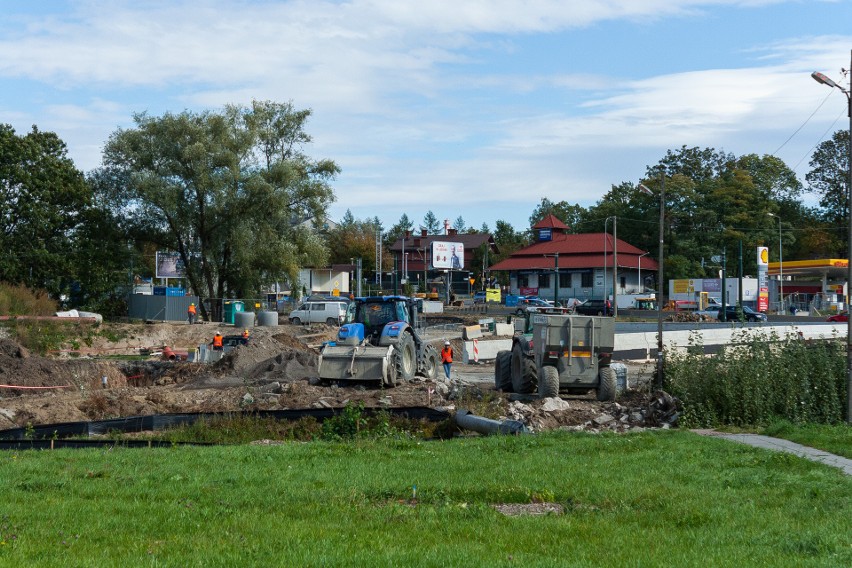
[{"x": 780, "y": 445}]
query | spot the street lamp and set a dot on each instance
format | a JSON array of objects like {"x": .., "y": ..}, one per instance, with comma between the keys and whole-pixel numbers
[
  {"x": 641, "y": 284},
  {"x": 780, "y": 264},
  {"x": 644, "y": 189},
  {"x": 820, "y": 78},
  {"x": 614, "y": 260}
]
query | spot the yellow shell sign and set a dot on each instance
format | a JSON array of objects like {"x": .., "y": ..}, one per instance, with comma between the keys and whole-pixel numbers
[{"x": 762, "y": 256}]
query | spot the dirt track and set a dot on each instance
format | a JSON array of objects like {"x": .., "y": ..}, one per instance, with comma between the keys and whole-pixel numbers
[{"x": 276, "y": 370}]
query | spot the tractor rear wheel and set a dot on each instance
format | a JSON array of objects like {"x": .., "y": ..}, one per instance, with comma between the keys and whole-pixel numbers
[
  {"x": 548, "y": 384},
  {"x": 429, "y": 362},
  {"x": 606, "y": 384},
  {"x": 524, "y": 373},
  {"x": 404, "y": 359},
  {"x": 503, "y": 371}
]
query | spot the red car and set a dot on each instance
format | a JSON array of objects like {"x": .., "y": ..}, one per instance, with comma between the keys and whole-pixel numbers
[{"x": 842, "y": 316}]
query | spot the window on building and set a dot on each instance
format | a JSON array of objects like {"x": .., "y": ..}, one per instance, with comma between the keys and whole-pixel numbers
[
  {"x": 565, "y": 280},
  {"x": 523, "y": 280},
  {"x": 544, "y": 280},
  {"x": 623, "y": 282},
  {"x": 587, "y": 280}
]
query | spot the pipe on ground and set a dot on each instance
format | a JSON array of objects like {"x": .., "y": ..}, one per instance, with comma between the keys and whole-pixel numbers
[{"x": 482, "y": 425}]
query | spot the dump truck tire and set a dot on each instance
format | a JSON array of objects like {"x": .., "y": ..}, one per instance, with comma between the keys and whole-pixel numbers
[
  {"x": 404, "y": 359},
  {"x": 548, "y": 384},
  {"x": 524, "y": 373},
  {"x": 606, "y": 388},
  {"x": 429, "y": 362},
  {"x": 503, "y": 371}
]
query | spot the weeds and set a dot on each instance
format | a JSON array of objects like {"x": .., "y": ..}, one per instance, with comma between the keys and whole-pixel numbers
[{"x": 759, "y": 379}]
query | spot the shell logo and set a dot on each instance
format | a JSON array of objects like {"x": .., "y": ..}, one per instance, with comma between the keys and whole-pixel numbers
[{"x": 764, "y": 255}]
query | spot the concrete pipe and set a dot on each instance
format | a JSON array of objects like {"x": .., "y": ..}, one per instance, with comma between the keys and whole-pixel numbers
[
  {"x": 267, "y": 319},
  {"x": 244, "y": 320}
]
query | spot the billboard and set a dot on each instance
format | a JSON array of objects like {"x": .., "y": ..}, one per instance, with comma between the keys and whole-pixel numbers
[
  {"x": 169, "y": 265},
  {"x": 447, "y": 255}
]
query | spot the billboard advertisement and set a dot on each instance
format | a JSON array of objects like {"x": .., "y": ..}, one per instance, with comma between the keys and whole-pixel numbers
[
  {"x": 447, "y": 255},
  {"x": 169, "y": 265}
]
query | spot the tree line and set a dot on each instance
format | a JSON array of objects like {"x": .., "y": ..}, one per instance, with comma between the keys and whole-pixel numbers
[{"x": 236, "y": 195}]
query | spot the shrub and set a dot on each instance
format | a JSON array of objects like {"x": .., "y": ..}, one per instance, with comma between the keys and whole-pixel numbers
[
  {"x": 21, "y": 301},
  {"x": 759, "y": 379}
]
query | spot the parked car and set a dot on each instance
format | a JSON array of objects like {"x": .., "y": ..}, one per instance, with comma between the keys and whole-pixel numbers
[
  {"x": 532, "y": 304},
  {"x": 593, "y": 308},
  {"x": 842, "y": 316},
  {"x": 479, "y": 297},
  {"x": 710, "y": 312},
  {"x": 732, "y": 315}
]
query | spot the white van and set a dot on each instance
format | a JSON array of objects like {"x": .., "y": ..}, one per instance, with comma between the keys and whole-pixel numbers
[{"x": 322, "y": 311}]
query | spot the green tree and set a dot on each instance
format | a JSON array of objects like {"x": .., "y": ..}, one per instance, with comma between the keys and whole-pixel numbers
[
  {"x": 430, "y": 223},
  {"x": 231, "y": 192},
  {"x": 402, "y": 227},
  {"x": 43, "y": 200},
  {"x": 829, "y": 178},
  {"x": 353, "y": 238},
  {"x": 458, "y": 224},
  {"x": 565, "y": 212}
]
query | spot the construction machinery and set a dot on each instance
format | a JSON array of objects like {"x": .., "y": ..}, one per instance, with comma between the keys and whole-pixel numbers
[
  {"x": 560, "y": 353},
  {"x": 379, "y": 341}
]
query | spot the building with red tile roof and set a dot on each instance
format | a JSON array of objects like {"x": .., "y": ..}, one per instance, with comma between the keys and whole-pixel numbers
[{"x": 582, "y": 261}]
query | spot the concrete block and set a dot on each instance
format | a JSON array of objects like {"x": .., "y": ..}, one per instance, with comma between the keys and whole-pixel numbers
[
  {"x": 488, "y": 349},
  {"x": 471, "y": 332},
  {"x": 504, "y": 329},
  {"x": 433, "y": 307}
]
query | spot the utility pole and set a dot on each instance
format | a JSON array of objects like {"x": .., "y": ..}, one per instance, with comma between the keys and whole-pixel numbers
[{"x": 615, "y": 267}]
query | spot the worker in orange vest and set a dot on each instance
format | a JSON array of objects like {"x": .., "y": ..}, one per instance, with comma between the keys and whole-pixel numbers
[
  {"x": 217, "y": 342},
  {"x": 190, "y": 313},
  {"x": 447, "y": 358},
  {"x": 246, "y": 334}
]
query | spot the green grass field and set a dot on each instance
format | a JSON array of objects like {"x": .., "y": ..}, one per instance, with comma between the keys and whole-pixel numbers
[{"x": 651, "y": 499}]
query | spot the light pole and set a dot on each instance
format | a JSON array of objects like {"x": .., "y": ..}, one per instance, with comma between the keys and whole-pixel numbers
[
  {"x": 606, "y": 241},
  {"x": 644, "y": 189},
  {"x": 780, "y": 264},
  {"x": 820, "y": 78},
  {"x": 641, "y": 284}
]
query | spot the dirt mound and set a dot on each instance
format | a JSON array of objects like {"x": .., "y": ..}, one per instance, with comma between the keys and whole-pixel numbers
[{"x": 11, "y": 349}]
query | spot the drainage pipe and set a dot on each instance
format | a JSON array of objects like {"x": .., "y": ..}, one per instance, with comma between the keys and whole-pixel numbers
[{"x": 482, "y": 425}]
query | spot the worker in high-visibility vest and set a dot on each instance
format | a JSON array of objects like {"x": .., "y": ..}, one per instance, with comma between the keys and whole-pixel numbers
[
  {"x": 217, "y": 342},
  {"x": 246, "y": 334},
  {"x": 447, "y": 358},
  {"x": 190, "y": 313}
]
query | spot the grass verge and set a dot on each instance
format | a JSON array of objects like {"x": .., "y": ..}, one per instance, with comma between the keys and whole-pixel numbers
[
  {"x": 834, "y": 438},
  {"x": 653, "y": 499}
]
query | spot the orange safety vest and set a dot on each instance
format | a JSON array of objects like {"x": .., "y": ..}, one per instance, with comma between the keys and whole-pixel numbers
[
  {"x": 217, "y": 341},
  {"x": 245, "y": 333},
  {"x": 191, "y": 309},
  {"x": 447, "y": 355}
]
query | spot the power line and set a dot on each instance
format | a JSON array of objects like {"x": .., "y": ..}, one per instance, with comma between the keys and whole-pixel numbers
[{"x": 804, "y": 123}]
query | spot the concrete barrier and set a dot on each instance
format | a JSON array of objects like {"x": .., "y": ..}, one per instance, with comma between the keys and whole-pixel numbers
[
  {"x": 504, "y": 329},
  {"x": 488, "y": 349},
  {"x": 432, "y": 307},
  {"x": 646, "y": 342},
  {"x": 471, "y": 332}
]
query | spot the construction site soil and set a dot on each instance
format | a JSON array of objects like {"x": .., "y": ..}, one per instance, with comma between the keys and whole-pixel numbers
[{"x": 121, "y": 372}]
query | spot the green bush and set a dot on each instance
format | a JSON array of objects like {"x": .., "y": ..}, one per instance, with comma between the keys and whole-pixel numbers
[{"x": 760, "y": 378}]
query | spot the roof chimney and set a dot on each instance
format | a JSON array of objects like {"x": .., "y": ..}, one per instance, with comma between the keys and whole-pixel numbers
[
  {"x": 451, "y": 232},
  {"x": 423, "y": 232},
  {"x": 446, "y": 226}
]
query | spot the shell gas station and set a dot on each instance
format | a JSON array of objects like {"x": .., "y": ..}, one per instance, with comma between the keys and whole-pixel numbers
[{"x": 806, "y": 285}]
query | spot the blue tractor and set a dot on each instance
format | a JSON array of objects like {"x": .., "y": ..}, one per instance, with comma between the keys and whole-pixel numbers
[{"x": 378, "y": 341}]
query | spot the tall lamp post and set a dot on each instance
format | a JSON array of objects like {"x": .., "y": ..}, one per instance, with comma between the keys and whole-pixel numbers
[
  {"x": 641, "y": 284},
  {"x": 606, "y": 240},
  {"x": 780, "y": 265},
  {"x": 820, "y": 78},
  {"x": 644, "y": 189}
]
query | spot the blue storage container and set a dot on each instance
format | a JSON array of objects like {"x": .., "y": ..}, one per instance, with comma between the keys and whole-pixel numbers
[
  {"x": 174, "y": 291},
  {"x": 159, "y": 290},
  {"x": 512, "y": 300}
]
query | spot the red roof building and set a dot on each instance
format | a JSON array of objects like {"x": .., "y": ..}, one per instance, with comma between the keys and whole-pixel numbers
[{"x": 584, "y": 263}]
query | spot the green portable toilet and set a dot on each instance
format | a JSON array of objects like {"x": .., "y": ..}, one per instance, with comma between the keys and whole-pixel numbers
[{"x": 232, "y": 308}]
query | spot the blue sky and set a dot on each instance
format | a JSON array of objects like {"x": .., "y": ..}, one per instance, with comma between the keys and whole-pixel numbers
[{"x": 472, "y": 108}]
